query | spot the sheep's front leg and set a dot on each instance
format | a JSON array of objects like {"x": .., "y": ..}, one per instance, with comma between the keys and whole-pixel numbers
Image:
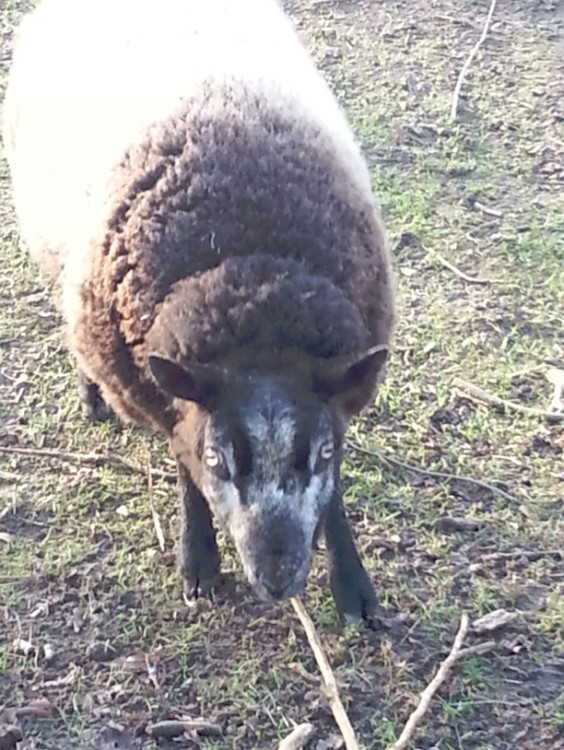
[
  {"x": 352, "y": 590},
  {"x": 198, "y": 554},
  {"x": 94, "y": 407}
]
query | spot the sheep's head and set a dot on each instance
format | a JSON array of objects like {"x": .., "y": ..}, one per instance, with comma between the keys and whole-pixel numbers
[{"x": 264, "y": 449}]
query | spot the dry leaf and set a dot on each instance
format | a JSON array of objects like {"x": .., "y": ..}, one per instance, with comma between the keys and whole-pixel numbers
[
  {"x": 499, "y": 618},
  {"x": 67, "y": 679}
]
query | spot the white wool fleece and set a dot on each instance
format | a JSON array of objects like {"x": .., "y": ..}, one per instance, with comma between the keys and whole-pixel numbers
[{"x": 89, "y": 76}]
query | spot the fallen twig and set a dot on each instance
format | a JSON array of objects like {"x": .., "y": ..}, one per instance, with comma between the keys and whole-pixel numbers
[
  {"x": 332, "y": 691},
  {"x": 529, "y": 554},
  {"x": 478, "y": 650},
  {"x": 430, "y": 472},
  {"x": 156, "y": 518},
  {"x": 175, "y": 728},
  {"x": 487, "y": 210},
  {"x": 451, "y": 267},
  {"x": 478, "y": 394},
  {"x": 466, "y": 66},
  {"x": 90, "y": 459},
  {"x": 297, "y": 738},
  {"x": 427, "y": 695}
]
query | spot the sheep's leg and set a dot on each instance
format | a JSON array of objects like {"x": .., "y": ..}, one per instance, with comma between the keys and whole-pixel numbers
[
  {"x": 352, "y": 590},
  {"x": 198, "y": 554},
  {"x": 94, "y": 407}
]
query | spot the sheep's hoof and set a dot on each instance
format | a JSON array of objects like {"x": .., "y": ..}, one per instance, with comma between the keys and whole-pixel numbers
[
  {"x": 354, "y": 597},
  {"x": 94, "y": 407},
  {"x": 192, "y": 590},
  {"x": 97, "y": 410},
  {"x": 201, "y": 575}
]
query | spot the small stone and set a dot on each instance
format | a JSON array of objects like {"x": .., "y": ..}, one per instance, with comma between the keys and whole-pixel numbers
[
  {"x": 101, "y": 651},
  {"x": 449, "y": 524}
]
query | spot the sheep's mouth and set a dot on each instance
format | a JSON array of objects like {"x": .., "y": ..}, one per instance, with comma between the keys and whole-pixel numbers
[
  {"x": 274, "y": 593},
  {"x": 276, "y": 587}
]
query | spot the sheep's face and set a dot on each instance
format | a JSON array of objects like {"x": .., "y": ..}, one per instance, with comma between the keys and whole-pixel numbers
[
  {"x": 264, "y": 450},
  {"x": 268, "y": 464}
]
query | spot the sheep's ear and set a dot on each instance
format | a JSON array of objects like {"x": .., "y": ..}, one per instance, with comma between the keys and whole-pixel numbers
[
  {"x": 192, "y": 382},
  {"x": 350, "y": 380}
]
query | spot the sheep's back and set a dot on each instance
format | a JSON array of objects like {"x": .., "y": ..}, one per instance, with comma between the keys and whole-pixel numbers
[
  {"x": 90, "y": 76},
  {"x": 230, "y": 177},
  {"x": 150, "y": 140}
]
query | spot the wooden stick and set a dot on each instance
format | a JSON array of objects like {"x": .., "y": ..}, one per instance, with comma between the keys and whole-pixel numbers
[
  {"x": 427, "y": 695},
  {"x": 478, "y": 394},
  {"x": 430, "y": 472},
  {"x": 328, "y": 677},
  {"x": 451, "y": 267},
  {"x": 90, "y": 459},
  {"x": 466, "y": 66},
  {"x": 174, "y": 728}
]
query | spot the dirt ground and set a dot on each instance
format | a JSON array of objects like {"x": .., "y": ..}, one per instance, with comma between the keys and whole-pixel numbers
[{"x": 95, "y": 641}]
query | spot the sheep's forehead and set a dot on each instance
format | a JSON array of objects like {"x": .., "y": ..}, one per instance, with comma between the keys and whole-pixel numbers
[
  {"x": 270, "y": 420},
  {"x": 272, "y": 430},
  {"x": 275, "y": 421}
]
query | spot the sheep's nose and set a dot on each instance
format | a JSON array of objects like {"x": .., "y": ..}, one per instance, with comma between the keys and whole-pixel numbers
[{"x": 276, "y": 590}]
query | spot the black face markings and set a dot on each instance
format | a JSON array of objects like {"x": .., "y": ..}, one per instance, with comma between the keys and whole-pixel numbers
[
  {"x": 242, "y": 451},
  {"x": 301, "y": 452},
  {"x": 277, "y": 433}
]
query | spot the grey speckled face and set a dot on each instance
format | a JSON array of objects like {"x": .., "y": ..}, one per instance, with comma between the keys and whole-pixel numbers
[{"x": 268, "y": 472}]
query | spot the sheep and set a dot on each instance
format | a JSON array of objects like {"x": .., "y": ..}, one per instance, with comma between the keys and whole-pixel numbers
[{"x": 185, "y": 175}]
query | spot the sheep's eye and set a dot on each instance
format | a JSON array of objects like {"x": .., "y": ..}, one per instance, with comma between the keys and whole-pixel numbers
[
  {"x": 324, "y": 455},
  {"x": 326, "y": 451},
  {"x": 212, "y": 457},
  {"x": 215, "y": 459}
]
